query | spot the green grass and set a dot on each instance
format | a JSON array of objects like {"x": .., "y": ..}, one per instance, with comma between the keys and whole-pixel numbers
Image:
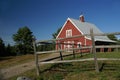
[
  {"x": 76, "y": 71},
  {"x": 99, "y": 55},
  {"x": 109, "y": 70},
  {"x": 105, "y": 55}
]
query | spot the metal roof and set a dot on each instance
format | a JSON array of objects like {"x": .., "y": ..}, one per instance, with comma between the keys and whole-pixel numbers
[{"x": 84, "y": 28}]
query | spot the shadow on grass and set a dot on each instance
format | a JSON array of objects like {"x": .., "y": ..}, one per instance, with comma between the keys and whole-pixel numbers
[
  {"x": 57, "y": 68},
  {"x": 110, "y": 66},
  {"x": 102, "y": 66},
  {"x": 63, "y": 69},
  {"x": 69, "y": 67},
  {"x": 5, "y": 58},
  {"x": 1, "y": 75}
]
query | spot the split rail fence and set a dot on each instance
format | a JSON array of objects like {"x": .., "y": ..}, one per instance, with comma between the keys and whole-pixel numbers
[{"x": 92, "y": 49}]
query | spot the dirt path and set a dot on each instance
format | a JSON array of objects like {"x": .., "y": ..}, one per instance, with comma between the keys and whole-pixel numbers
[{"x": 18, "y": 69}]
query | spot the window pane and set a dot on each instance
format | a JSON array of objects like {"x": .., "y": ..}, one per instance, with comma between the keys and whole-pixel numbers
[{"x": 68, "y": 33}]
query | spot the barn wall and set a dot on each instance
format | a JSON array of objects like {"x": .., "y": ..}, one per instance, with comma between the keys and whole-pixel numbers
[{"x": 75, "y": 31}]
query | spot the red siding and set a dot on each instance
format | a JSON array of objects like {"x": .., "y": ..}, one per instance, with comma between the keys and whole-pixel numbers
[
  {"x": 69, "y": 25},
  {"x": 75, "y": 31}
]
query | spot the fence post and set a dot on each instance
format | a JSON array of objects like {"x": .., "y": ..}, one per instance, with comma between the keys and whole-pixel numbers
[
  {"x": 80, "y": 50},
  {"x": 91, "y": 49},
  {"x": 36, "y": 57},
  {"x": 117, "y": 49},
  {"x": 60, "y": 51},
  {"x": 94, "y": 50},
  {"x": 73, "y": 50}
]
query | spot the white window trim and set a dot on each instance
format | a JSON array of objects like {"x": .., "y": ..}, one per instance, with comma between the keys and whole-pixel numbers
[
  {"x": 68, "y": 45},
  {"x": 78, "y": 43},
  {"x": 67, "y": 33},
  {"x": 65, "y": 45}
]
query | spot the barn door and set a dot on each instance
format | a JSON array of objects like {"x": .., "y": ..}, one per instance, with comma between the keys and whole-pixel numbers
[
  {"x": 68, "y": 45},
  {"x": 78, "y": 44}
]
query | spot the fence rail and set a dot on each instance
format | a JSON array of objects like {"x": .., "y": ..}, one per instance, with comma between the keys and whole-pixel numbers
[
  {"x": 78, "y": 60},
  {"x": 77, "y": 36},
  {"x": 87, "y": 47},
  {"x": 92, "y": 48}
]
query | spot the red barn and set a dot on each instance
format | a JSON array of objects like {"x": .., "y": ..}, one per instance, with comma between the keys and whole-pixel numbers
[{"x": 74, "y": 27}]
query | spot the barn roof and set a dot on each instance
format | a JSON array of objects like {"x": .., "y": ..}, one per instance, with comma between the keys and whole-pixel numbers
[{"x": 84, "y": 28}]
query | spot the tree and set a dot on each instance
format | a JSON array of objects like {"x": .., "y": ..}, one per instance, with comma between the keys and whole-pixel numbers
[
  {"x": 112, "y": 37},
  {"x": 119, "y": 41},
  {"x": 56, "y": 33},
  {"x": 10, "y": 50},
  {"x": 2, "y": 48},
  {"x": 23, "y": 39}
]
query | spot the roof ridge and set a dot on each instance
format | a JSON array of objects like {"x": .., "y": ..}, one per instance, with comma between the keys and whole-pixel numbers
[{"x": 80, "y": 21}]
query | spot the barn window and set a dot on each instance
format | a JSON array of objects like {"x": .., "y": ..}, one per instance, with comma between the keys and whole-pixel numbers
[
  {"x": 69, "y": 33},
  {"x": 68, "y": 44},
  {"x": 78, "y": 44},
  {"x": 65, "y": 45}
]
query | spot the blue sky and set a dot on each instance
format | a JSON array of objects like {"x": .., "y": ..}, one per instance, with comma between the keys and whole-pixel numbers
[{"x": 44, "y": 17}]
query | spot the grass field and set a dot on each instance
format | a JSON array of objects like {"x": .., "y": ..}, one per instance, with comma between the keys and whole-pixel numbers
[
  {"x": 109, "y": 70},
  {"x": 16, "y": 60},
  {"x": 99, "y": 55}
]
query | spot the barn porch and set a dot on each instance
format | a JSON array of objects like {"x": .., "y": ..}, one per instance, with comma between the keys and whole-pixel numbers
[{"x": 104, "y": 43}]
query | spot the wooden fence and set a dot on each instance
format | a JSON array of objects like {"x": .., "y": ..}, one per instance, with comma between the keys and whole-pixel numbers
[{"x": 92, "y": 48}]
